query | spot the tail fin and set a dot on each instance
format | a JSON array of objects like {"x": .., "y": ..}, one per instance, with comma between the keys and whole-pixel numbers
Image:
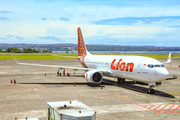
[{"x": 81, "y": 46}]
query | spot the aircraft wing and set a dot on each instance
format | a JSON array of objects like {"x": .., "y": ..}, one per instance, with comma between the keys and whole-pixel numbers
[
  {"x": 168, "y": 60},
  {"x": 57, "y": 66},
  {"x": 60, "y": 67},
  {"x": 64, "y": 67}
]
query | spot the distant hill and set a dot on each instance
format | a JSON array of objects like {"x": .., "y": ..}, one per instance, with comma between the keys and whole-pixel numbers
[{"x": 90, "y": 47}]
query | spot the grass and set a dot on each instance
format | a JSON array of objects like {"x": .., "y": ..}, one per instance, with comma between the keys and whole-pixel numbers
[
  {"x": 69, "y": 55},
  {"x": 152, "y": 55},
  {"x": 38, "y": 55}
]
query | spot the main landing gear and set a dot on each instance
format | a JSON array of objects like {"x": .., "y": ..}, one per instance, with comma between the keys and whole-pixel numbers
[
  {"x": 150, "y": 90},
  {"x": 121, "y": 80}
]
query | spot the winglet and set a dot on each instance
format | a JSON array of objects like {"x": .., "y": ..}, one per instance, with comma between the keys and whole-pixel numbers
[
  {"x": 168, "y": 60},
  {"x": 14, "y": 59}
]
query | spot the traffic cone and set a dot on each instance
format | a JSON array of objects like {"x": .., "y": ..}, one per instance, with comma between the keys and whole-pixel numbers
[
  {"x": 14, "y": 81},
  {"x": 74, "y": 84},
  {"x": 11, "y": 80},
  {"x": 59, "y": 74},
  {"x": 101, "y": 87}
]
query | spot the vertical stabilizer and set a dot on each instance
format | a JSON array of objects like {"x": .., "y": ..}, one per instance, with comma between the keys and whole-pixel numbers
[{"x": 82, "y": 51}]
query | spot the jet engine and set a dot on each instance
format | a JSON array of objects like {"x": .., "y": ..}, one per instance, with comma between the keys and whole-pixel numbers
[{"x": 94, "y": 76}]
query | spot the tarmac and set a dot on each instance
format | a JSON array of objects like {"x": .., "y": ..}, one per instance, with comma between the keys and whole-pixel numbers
[{"x": 37, "y": 85}]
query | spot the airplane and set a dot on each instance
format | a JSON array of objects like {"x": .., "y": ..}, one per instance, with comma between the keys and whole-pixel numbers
[{"x": 136, "y": 68}]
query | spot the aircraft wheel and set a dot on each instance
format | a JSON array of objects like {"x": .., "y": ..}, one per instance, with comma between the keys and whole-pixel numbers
[
  {"x": 123, "y": 80},
  {"x": 119, "y": 80},
  {"x": 152, "y": 91},
  {"x": 149, "y": 91}
]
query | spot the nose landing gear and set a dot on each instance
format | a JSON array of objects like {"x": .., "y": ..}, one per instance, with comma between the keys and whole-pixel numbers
[{"x": 150, "y": 90}]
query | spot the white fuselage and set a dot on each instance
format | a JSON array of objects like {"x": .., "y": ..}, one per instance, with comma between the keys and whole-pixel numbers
[{"x": 136, "y": 68}]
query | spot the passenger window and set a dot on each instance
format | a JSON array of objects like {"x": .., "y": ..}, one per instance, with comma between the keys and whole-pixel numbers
[
  {"x": 152, "y": 66},
  {"x": 156, "y": 65}
]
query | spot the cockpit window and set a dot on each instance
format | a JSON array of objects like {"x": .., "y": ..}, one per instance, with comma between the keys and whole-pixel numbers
[
  {"x": 150, "y": 66},
  {"x": 157, "y": 66},
  {"x": 162, "y": 65}
]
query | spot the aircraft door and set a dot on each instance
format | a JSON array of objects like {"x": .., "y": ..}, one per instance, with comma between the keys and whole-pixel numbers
[{"x": 139, "y": 67}]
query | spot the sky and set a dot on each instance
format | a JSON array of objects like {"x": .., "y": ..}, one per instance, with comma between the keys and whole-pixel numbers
[{"x": 109, "y": 22}]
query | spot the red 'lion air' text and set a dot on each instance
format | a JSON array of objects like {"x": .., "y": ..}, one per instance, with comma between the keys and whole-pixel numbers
[{"x": 122, "y": 66}]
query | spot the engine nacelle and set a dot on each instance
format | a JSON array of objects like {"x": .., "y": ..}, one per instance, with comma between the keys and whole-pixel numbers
[{"x": 94, "y": 76}]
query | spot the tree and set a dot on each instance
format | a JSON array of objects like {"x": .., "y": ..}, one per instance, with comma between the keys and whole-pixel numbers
[
  {"x": 15, "y": 50},
  {"x": 45, "y": 51},
  {"x": 8, "y": 50},
  {"x": 35, "y": 51},
  {"x": 25, "y": 50}
]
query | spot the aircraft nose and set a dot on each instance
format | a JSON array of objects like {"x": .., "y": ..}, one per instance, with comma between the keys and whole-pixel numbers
[{"x": 163, "y": 73}]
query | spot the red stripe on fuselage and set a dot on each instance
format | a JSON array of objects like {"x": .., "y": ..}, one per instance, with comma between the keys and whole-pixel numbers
[{"x": 122, "y": 66}]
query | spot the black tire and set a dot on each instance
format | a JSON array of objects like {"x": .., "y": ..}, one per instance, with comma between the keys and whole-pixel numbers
[
  {"x": 149, "y": 91},
  {"x": 153, "y": 92},
  {"x": 123, "y": 80},
  {"x": 119, "y": 80}
]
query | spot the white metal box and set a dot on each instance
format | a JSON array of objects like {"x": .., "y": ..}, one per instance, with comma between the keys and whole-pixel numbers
[{"x": 69, "y": 110}]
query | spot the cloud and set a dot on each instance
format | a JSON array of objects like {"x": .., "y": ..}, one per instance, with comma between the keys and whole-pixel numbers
[
  {"x": 121, "y": 21},
  {"x": 55, "y": 19},
  {"x": 19, "y": 38},
  {"x": 132, "y": 20},
  {"x": 3, "y": 38},
  {"x": 50, "y": 38},
  {"x": 64, "y": 19},
  {"x": 4, "y": 12},
  {"x": 11, "y": 37},
  {"x": 4, "y": 18},
  {"x": 44, "y": 18},
  {"x": 30, "y": 30}
]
